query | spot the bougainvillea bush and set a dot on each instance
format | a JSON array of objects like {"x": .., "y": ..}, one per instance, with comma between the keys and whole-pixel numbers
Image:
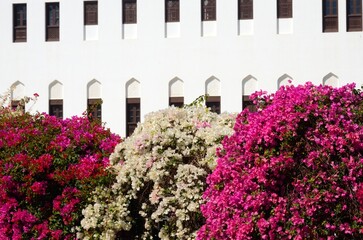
[
  {"x": 291, "y": 170},
  {"x": 161, "y": 170},
  {"x": 48, "y": 167}
]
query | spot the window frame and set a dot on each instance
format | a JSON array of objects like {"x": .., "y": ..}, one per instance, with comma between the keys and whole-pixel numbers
[
  {"x": 209, "y": 10},
  {"x": 19, "y": 25},
  {"x": 53, "y": 103},
  {"x": 248, "y": 103},
  {"x": 172, "y": 11},
  {"x": 355, "y": 16},
  {"x": 129, "y": 11},
  {"x": 284, "y": 8},
  {"x": 214, "y": 103},
  {"x": 52, "y": 27},
  {"x": 131, "y": 125},
  {"x": 245, "y": 9},
  {"x": 333, "y": 18},
  {"x": 176, "y": 101},
  {"x": 94, "y": 109},
  {"x": 88, "y": 19}
]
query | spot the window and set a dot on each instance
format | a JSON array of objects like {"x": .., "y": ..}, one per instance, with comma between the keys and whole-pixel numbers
[
  {"x": 94, "y": 109},
  {"x": 19, "y": 22},
  {"x": 354, "y": 15},
  {"x": 90, "y": 13},
  {"x": 245, "y": 9},
  {"x": 176, "y": 101},
  {"x": 56, "y": 108},
  {"x": 16, "y": 104},
  {"x": 52, "y": 21},
  {"x": 132, "y": 114},
  {"x": 171, "y": 10},
  {"x": 129, "y": 11},
  {"x": 284, "y": 8},
  {"x": 247, "y": 103},
  {"x": 214, "y": 103},
  {"x": 330, "y": 15},
  {"x": 209, "y": 10}
]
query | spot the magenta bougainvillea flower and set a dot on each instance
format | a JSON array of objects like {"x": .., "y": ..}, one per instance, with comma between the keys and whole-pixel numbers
[
  {"x": 48, "y": 168},
  {"x": 292, "y": 170}
]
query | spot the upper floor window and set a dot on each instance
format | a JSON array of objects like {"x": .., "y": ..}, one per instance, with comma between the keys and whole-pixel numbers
[
  {"x": 209, "y": 11},
  {"x": 52, "y": 21},
  {"x": 330, "y": 15},
  {"x": 245, "y": 9},
  {"x": 354, "y": 15},
  {"x": 172, "y": 11},
  {"x": 90, "y": 13},
  {"x": 284, "y": 8},
  {"x": 129, "y": 11},
  {"x": 19, "y": 23}
]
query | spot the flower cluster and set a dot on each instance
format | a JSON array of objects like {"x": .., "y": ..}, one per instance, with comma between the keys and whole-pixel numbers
[
  {"x": 161, "y": 171},
  {"x": 291, "y": 170},
  {"x": 48, "y": 167}
]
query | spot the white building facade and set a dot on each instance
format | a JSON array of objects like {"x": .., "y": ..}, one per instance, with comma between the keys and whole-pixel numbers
[{"x": 137, "y": 56}]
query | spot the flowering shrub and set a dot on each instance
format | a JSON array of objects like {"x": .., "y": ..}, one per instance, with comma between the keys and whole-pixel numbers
[
  {"x": 161, "y": 171},
  {"x": 48, "y": 167},
  {"x": 292, "y": 170}
]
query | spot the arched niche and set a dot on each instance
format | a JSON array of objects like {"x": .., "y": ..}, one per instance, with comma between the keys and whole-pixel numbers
[
  {"x": 94, "y": 90},
  {"x": 331, "y": 80},
  {"x": 17, "y": 90},
  {"x": 213, "y": 86},
  {"x": 56, "y": 90},
  {"x": 284, "y": 80},
  {"x": 176, "y": 87},
  {"x": 133, "y": 88},
  {"x": 249, "y": 85}
]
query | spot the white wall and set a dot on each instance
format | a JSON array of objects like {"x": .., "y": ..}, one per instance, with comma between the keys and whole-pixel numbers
[{"x": 305, "y": 54}]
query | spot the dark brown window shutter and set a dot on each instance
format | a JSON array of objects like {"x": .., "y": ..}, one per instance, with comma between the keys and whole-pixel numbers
[
  {"x": 56, "y": 108},
  {"x": 245, "y": 9},
  {"x": 94, "y": 109},
  {"x": 91, "y": 13},
  {"x": 214, "y": 103},
  {"x": 354, "y": 15},
  {"x": 209, "y": 10},
  {"x": 330, "y": 15},
  {"x": 176, "y": 101},
  {"x": 129, "y": 11},
  {"x": 132, "y": 114},
  {"x": 19, "y": 23},
  {"x": 52, "y": 21},
  {"x": 248, "y": 103},
  {"x": 172, "y": 11},
  {"x": 284, "y": 8}
]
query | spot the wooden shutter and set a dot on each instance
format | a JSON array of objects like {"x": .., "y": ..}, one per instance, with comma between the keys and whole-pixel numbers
[
  {"x": 52, "y": 21},
  {"x": 132, "y": 114},
  {"x": 209, "y": 11},
  {"x": 330, "y": 15},
  {"x": 214, "y": 103},
  {"x": 94, "y": 109},
  {"x": 91, "y": 13},
  {"x": 172, "y": 10},
  {"x": 176, "y": 101},
  {"x": 247, "y": 103},
  {"x": 245, "y": 9},
  {"x": 354, "y": 15},
  {"x": 284, "y": 8},
  {"x": 129, "y": 11},
  {"x": 56, "y": 108},
  {"x": 19, "y": 23}
]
